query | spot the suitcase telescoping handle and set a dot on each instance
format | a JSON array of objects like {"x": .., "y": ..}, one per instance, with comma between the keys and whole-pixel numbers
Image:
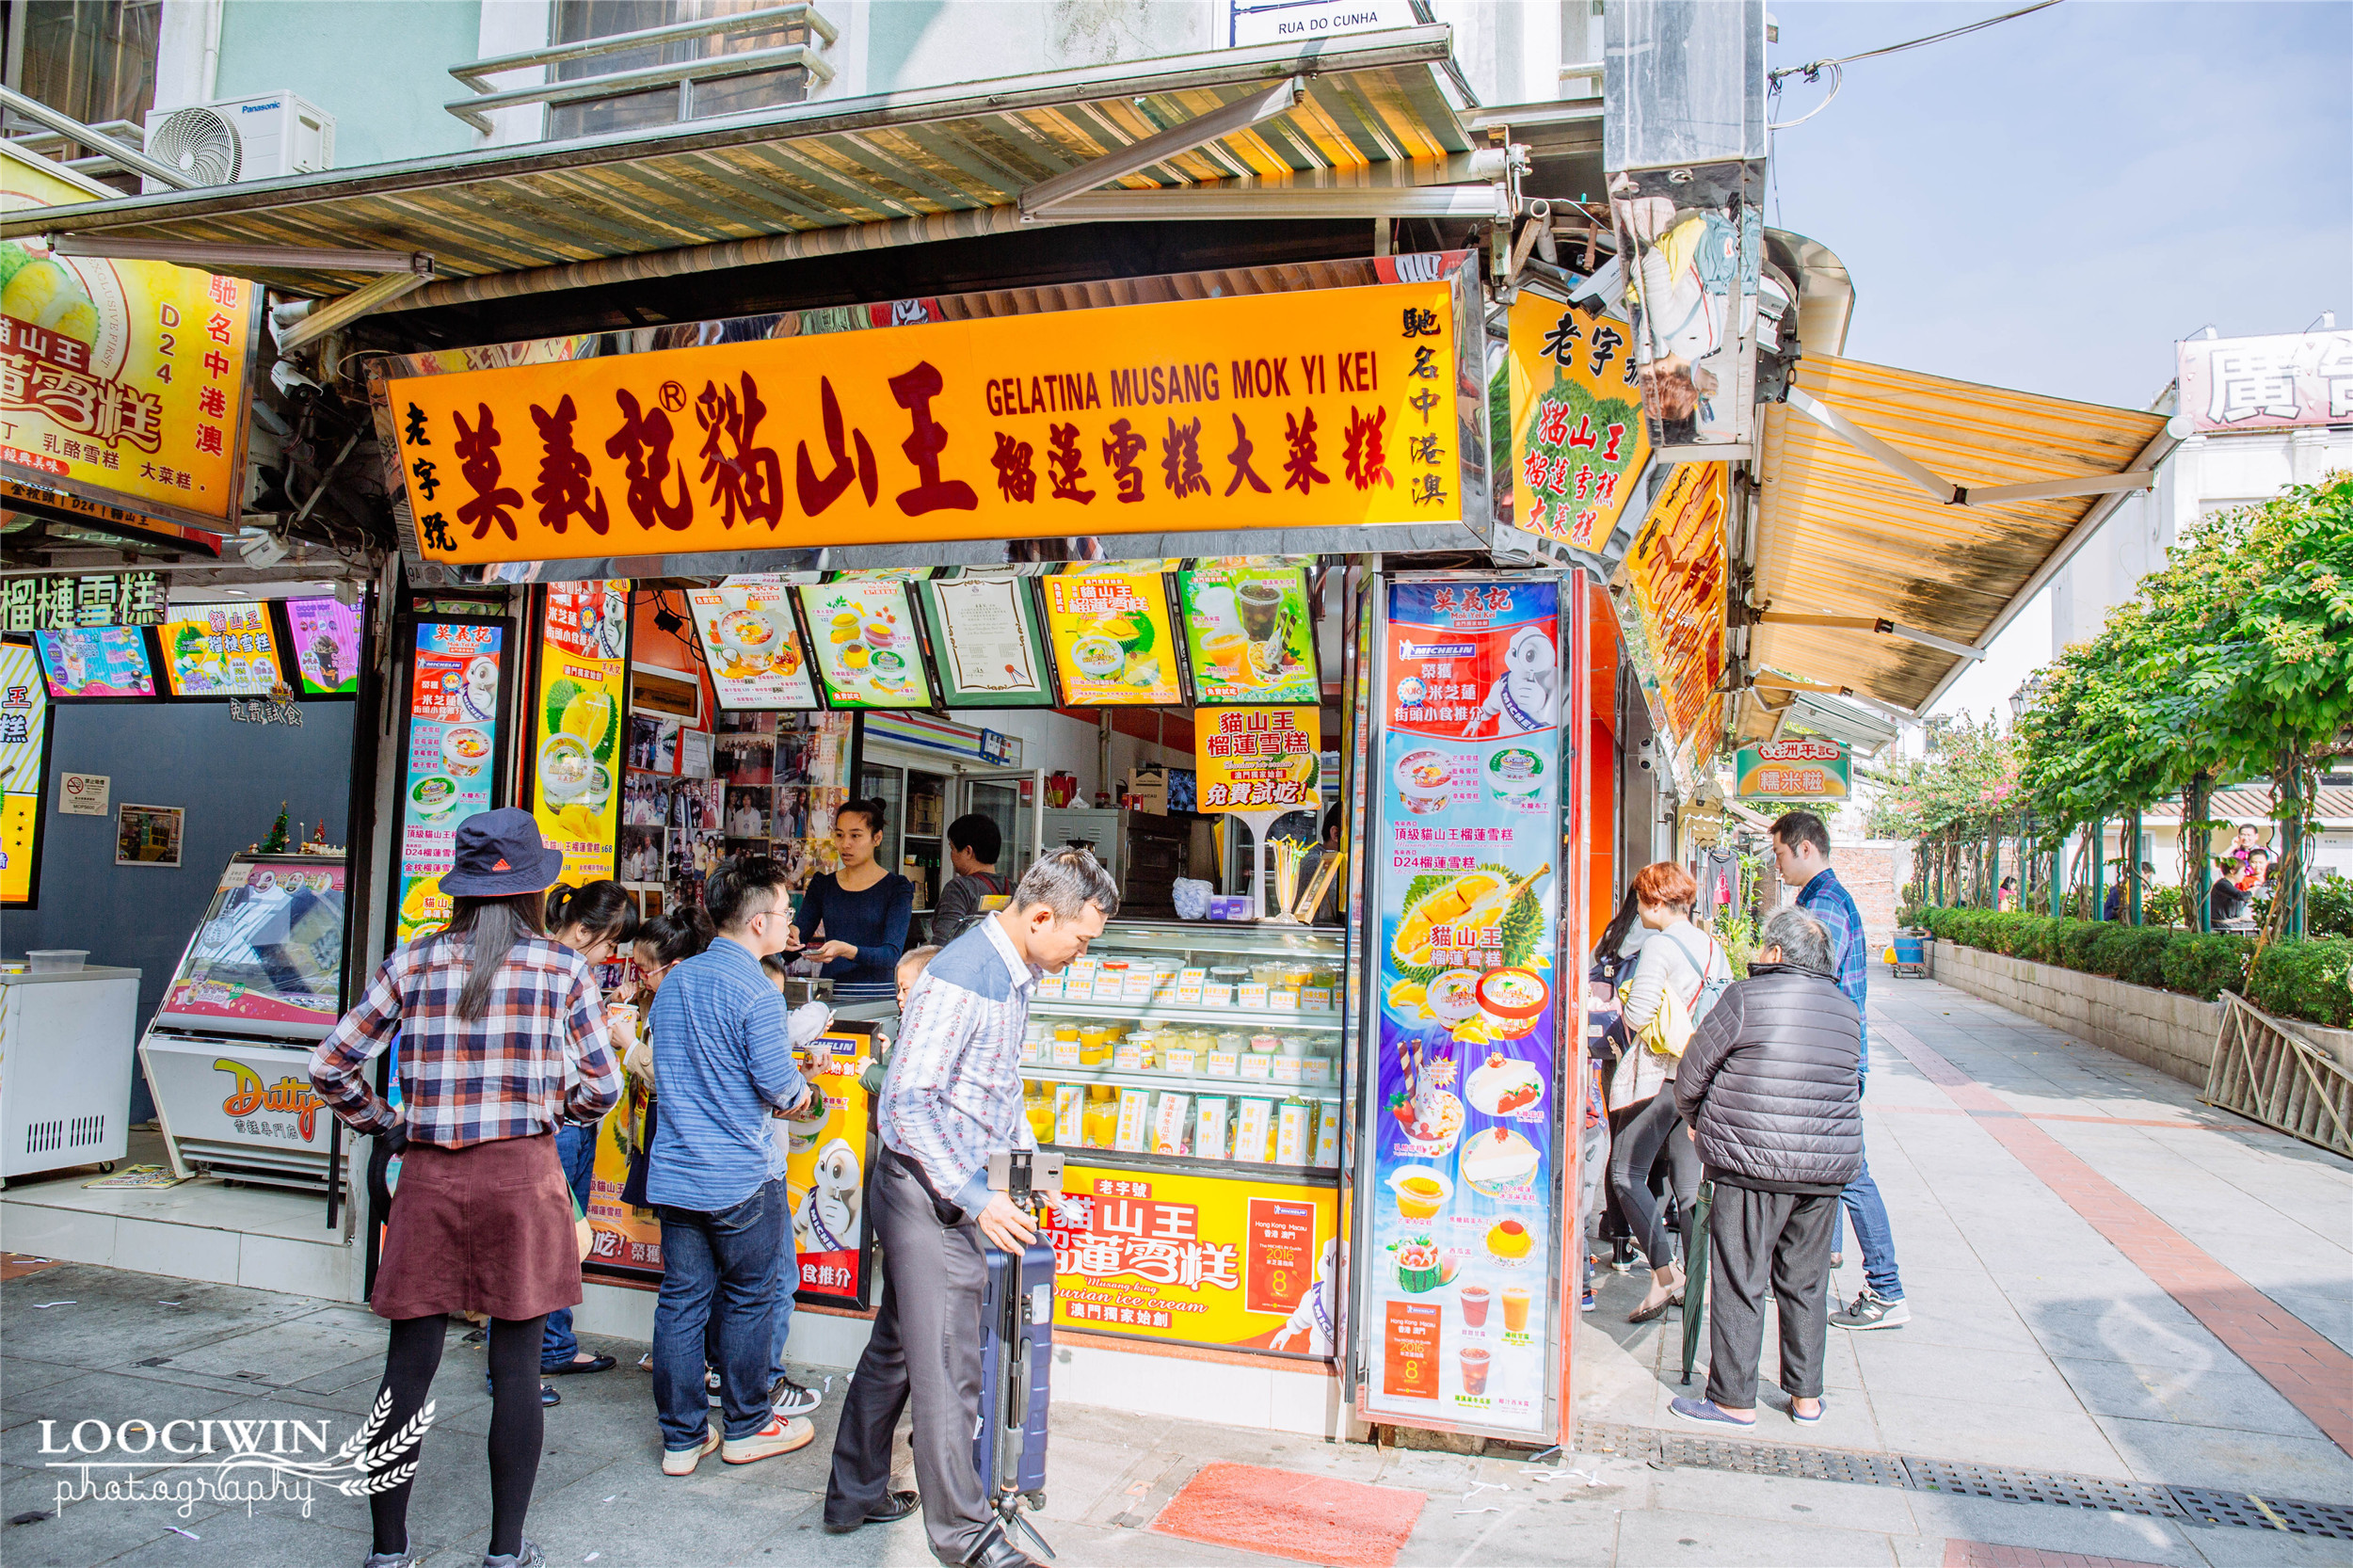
[{"x": 1024, "y": 1330}]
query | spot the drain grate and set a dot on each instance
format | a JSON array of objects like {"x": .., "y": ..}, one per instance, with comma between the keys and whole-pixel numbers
[
  {"x": 2204, "y": 1506},
  {"x": 2007, "y": 1485},
  {"x": 2191, "y": 1505}
]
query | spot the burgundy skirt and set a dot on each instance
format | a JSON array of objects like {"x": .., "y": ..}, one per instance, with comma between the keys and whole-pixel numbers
[{"x": 486, "y": 1228}]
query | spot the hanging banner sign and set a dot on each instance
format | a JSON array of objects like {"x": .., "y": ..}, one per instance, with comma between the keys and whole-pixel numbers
[
  {"x": 453, "y": 756},
  {"x": 1250, "y": 632},
  {"x": 1676, "y": 568},
  {"x": 1578, "y": 440},
  {"x": 103, "y": 661},
  {"x": 1113, "y": 638},
  {"x": 1459, "y": 1156},
  {"x": 2270, "y": 383},
  {"x": 121, "y": 383},
  {"x": 64, "y": 604},
  {"x": 227, "y": 650},
  {"x": 24, "y": 772},
  {"x": 751, "y": 645},
  {"x": 1199, "y": 1259},
  {"x": 326, "y": 644},
  {"x": 1257, "y": 758},
  {"x": 868, "y": 653},
  {"x": 1796, "y": 770},
  {"x": 1321, "y": 408},
  {"x": 584, "y": 680}
]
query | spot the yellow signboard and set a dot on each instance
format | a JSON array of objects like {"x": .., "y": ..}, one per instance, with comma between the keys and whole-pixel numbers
[
  {"x": 1579, "y": 440},
  {"x": 122, "y": 384},
  {"x": 1677, "y": 568},
  {"x": 1114, "y": 640},
  {"x": 1208, "y": 1260},
  {"x": 1256, "y": 758},
  {"x": 24, "y": 769},
  {"x": 1325, "y": 409},
  {"x": 576, "y": 724}
]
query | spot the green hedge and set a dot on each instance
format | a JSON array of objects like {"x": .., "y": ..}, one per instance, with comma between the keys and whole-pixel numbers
[{"x": 2306, "y": 980}]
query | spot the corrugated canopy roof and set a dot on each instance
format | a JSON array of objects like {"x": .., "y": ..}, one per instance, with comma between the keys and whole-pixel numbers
[
  {"x": 1373, "y": 113},
  {"x": 1841, "y": 535}
]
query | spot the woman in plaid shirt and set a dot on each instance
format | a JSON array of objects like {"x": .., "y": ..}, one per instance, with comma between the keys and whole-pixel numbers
[{"x": 502, "y": 1038}]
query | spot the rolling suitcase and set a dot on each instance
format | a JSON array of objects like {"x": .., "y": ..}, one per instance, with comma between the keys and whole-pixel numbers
[{"x": 1016, "y": 1357}]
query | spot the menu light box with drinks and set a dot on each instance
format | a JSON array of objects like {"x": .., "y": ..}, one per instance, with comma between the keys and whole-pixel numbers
[
  {"x": 868, "y": 650},
  {"x": 453, "y": 696},
  {"x": 576, "y": 766},
  {"x": 1459, "y": 1153},
  {"x": 97, "y": 662},
  {"x": 1114, "y": 640},
  {"x": 1251, "y": 633}
]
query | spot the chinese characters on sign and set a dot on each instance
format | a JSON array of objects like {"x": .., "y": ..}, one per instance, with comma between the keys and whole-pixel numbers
[
  {"x": 276, "y": 708},
  {"x": 1578, "y": 440},
  {"x": 1458, "y": 1162},
  {"x": 24, "y": 771},
  {"x": 1257, "y": 758},
  {"x": 1810, "y": 769},
  {"x": 1676, "y": 568},
  {"x": 227, "y": 650},
  {"x": 1321, "y": 409},
  {"x": 66, "y": 603},
  {"x": 1113, "y": 638},
  {"x": 2267, "y": 383},
  {"x": 119, "y": 379},
  {"x": 583, "y": 668},
  {"x": 453, "y": 756}
]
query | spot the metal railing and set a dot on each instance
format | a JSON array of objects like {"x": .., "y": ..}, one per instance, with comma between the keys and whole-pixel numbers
[
  {"x": 682, "y": 75},
  {"x": 48, "y": 144}
]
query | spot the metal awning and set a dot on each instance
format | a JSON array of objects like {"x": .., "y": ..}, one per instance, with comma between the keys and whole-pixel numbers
[
  {"x": 1373, "y": 113},
  {"x": 1877, "y": 567}
]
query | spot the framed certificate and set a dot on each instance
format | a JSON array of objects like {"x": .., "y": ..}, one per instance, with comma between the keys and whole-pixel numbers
[{"x": 987, "y": 644}]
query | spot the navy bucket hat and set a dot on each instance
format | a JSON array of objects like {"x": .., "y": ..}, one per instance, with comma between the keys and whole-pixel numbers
[{"x": 501, "y": 853}]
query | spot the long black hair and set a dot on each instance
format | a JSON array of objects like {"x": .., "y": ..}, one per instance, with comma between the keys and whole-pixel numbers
[
  {"x": 490, "y": 927},
  {"x": 603, "y": 910},
  {"x": 1614, "y": 934},
  {"x": 680, "y": 934}
]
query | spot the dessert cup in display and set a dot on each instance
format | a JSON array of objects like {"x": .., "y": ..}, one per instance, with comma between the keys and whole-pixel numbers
[
  {"x": 1515, "y": 1309},
  {"x": 1513, "y": 999},
  {"x": 1475, "y": 1300},
  {"x": 1475, "y": 1361},
  {"x": 1425, "y": 781},
  {"x": 1420, "y": 1190}
]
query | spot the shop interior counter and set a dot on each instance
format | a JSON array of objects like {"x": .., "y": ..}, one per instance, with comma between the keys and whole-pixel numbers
[{"x": 67, "y": 1040}]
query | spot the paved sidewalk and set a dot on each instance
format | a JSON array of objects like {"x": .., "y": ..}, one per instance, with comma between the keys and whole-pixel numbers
[{"x": 2041, "y": 1342}]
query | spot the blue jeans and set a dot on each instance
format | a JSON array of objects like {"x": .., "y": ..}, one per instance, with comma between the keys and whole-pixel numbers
[
  {"x": 787, "y": 1281},
  {"x": 576, "y": 1151},
  {"x": 1861, "y": 1203},
  {"x": 718, "y": 1266}
]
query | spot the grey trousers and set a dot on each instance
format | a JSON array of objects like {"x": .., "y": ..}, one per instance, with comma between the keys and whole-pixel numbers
[
  {"x": 1754, "y": 1235},
  {"x": 925, "y": 1350}
]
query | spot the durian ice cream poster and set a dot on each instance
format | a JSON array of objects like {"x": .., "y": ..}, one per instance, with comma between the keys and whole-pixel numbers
[
  {"x": 125, "y": 378},
  {"x": 1458, "y": 1298}
]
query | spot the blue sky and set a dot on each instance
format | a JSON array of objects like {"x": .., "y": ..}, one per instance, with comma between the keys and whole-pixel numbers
[{"x": 2049, "y": 204}]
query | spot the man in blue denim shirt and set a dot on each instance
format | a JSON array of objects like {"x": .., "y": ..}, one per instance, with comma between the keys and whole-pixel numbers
[
  {"x": 1801, "y": 855},
  {"x": 723, "y": 1063}
]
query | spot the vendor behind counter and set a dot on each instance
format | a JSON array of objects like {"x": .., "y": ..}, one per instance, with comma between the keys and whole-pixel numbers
[{"x": 861, "y": 910}]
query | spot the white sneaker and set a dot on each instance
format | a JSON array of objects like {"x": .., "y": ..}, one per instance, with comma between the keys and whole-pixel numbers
[
  {"x": 789, "y": 1399},
  {"x": 1872, "y": 1311},
  {"x": 682, "y": 1462},
  {"x": 780, "y": 1436}
]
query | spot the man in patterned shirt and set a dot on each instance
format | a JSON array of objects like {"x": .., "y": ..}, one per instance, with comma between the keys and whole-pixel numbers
[
  {"x": 953, "y": 1098},
  {"x": 1801, "y": 855}
]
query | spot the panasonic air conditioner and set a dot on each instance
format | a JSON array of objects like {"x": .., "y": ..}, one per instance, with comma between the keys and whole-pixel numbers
[{"x": 241, "y": 140}]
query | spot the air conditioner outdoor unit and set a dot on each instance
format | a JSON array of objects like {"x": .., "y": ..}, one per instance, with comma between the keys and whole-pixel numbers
[{"x": 242, "y": 139}]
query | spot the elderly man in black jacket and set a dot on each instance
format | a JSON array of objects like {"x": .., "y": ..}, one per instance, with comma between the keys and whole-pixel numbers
[{"x": 1771, "y": 1089}]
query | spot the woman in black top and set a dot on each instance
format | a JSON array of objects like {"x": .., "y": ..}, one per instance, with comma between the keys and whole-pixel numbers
[{"x": 863, "y": 908}]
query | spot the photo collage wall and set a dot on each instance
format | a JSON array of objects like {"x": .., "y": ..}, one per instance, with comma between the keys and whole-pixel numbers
[{"x": 764, "y": 784}]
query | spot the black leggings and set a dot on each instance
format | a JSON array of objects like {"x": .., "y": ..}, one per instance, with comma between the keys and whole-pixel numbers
[
  {"x": 518, "y": 1422},
  {"x": 1632, "y": 1154}
]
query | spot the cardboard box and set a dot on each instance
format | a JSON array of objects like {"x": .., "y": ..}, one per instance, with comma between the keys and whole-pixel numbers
[{"x": 1147, "y": 789}]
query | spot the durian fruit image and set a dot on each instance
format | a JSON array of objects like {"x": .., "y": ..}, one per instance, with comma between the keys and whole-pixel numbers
[
  {"x": 46, "y": 294},
  {"x": 1503, "y": 910}
]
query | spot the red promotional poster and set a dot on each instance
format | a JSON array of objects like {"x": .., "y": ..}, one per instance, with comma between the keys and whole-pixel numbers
[
  {"x": 1410, "y": 1352},
  {"x": 1282, "y": 1258},
  {"x": 1482, "y": 665}
]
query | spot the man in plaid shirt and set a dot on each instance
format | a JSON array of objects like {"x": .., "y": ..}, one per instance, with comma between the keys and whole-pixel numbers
[
  {"x": 544, "y": 1016},
  {"x": 1801, "y": 855}
]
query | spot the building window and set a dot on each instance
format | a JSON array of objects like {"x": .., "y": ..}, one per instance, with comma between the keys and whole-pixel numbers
[
  {"x": 92, "y": 59},
  {"x": 716, "y": 92}
]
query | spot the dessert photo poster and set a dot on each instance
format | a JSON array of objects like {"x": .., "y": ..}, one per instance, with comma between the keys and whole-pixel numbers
[{"x": 1462, "y": 1149}]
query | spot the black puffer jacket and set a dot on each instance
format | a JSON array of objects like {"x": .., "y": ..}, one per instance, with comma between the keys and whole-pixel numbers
[{"x": 1772, "y": 1081}]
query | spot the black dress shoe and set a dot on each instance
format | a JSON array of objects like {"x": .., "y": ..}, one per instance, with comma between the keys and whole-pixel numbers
[
  {"x": 997, "y": 1552},
  {"x": 895, "y": 1506},
  {"x": 573, "y": 1368}
]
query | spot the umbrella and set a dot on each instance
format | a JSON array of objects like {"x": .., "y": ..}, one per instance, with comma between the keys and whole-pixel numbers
[{"x": 1695, "y": 1275}]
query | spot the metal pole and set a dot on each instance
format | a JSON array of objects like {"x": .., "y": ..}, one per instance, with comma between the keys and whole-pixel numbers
[
  {"x": 96, "y": 141},
  {"x": 2131, "y": 866},
  {"x": 2098, "y": 831},
  {"x": 2289, "y": 882},
  {"x": 1994, "y": 868},
  {"x": 2058, "y": 877}
]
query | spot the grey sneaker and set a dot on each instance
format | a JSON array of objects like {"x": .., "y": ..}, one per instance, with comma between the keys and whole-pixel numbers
[
  {"x": 789, "y": 1399},
  {"x": 403, "y": 1558},
  {"x": 1870, "y": 1310},
  {"x": 530, "y": 1556}
]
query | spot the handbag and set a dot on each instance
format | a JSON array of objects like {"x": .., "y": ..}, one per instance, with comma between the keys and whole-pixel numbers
[
  {"x": 1669, "y": 1029},
  {"x": 640, "y": 1162}
]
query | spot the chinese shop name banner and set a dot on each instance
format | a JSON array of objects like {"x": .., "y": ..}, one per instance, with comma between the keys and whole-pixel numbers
[
  {"x": 62, "y": 603},
  {"x": 2267, "y": 383},
  {"x": 1795, "y": 770},
  {"x": 121, "y": 382},
  {"x": 583, "y": 672},
  {"x": 1329, "y": 408},
  {"x": 1199, "y": 1259},
  {"x": 1459, "y": 1164},
  {"x": 1257, "y": 758},
  {"x": 1578, "y": 440},
  {"x": 1676, "y": 567}
]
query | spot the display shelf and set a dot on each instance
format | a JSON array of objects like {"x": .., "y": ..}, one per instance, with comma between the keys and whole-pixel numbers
[
  {"x": 1258, "y": 939},
  {"x": 1147, "y": 1012},
  {"x": 1196, "y": 1082},
  {"x": 1237, "y": 1170}
]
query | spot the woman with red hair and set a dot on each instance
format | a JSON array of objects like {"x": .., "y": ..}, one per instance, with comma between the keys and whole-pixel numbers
[{"x": 1678, "y": 956}]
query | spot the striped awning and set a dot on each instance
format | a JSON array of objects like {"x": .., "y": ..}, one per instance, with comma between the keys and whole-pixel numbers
[
  {"x": 1842, "y": 536},
  {"x": 1373, "y": 113}
]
